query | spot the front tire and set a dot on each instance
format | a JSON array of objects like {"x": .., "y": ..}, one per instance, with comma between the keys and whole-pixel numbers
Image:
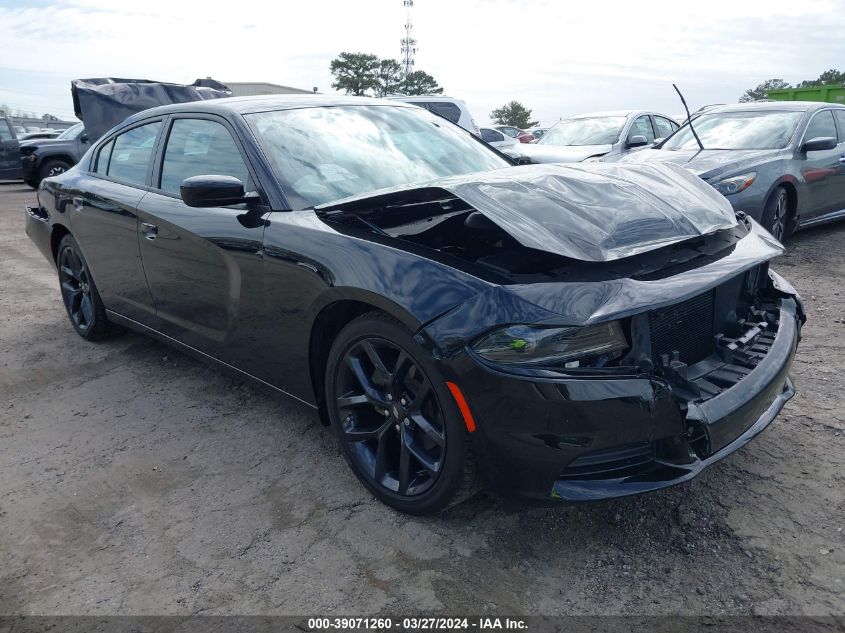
[
  {"x": 397, "y": 424},
  {"x": 52, "y": 168},
  {"x": 776, "y": 215},
  {"x": 82, "y": 302}
]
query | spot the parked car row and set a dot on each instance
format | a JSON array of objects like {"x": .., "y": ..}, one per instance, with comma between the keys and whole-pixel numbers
[{"x": 782, "y": 163}]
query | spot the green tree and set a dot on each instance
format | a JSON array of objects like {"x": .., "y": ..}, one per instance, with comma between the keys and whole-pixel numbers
[
  {"x": 421, "y": 83},
  {"x": 758, "y": 93},
  {"x": 355, "y": 73},
  {"x": 827, "y": 78},
  {"x": 389, "y": 75},
  {"x": 513, "y": 113}
]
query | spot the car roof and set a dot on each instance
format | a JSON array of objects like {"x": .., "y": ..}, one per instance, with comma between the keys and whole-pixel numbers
[
  {"x": 779, "y": 106},
  {"x": 262, "y": 103},
  {"x": 589, "y": 115}
]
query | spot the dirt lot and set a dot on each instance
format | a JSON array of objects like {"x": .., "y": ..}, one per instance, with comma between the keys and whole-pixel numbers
[{"x": 138, "y": 481}]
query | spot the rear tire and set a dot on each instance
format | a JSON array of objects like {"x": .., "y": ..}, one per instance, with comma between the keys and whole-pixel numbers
[
  {"x": 397, "y": 424},
  {"x": 776, "y": 215},
  {"x": 82, "y": 301}
]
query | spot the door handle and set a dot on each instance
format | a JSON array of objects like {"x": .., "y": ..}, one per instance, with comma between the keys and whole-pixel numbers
[
  {"x": 78, "y": 203},
  {"x": 842, "y": 160},
  {"x": 149, "y": 230}
]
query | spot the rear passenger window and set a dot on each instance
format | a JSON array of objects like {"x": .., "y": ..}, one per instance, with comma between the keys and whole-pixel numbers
[
  {"x": 198, "y": 147},
  {"x": 448, "y": 111},
  {"x": 101, "y": 165},
  {"x": 130, "y": 154},
  {"x": 491, "y": 136},
  {"x": 840, "y": 123},
  {"x": 821, "y": 126},
  {"x": 665, "y": 127}
]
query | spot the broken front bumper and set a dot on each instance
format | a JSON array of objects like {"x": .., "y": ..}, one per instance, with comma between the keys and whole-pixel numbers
[{"x": 584, "y": 439}]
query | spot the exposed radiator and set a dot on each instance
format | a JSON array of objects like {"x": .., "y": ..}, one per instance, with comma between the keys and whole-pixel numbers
[{"x": 685, "y": 327}]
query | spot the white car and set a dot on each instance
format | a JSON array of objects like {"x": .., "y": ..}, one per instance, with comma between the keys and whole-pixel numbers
[
  {"x": 603, "y": 136},
  {"x": 497, "y": 139},
  {"x": 453, "y": 110}
]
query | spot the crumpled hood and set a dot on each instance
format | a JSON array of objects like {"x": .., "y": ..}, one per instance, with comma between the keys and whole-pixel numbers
[
  {"x": 541, "y": 153},
  {"x": 708, "y": 163},
  {"x": 590, "y": 212}
]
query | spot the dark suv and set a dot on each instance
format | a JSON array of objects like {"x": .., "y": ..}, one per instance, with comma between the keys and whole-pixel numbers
[
  {"x": 43, "y": 158},
  {"x": 10, "y": 167}
]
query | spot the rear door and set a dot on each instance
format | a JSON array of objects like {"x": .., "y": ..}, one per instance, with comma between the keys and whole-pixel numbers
[
  {"x": 203, "y": 265},
  {"x": 103, "y": 218},
  {"x": 10, "y": 152},
  {"x": 821, "y": 170}
]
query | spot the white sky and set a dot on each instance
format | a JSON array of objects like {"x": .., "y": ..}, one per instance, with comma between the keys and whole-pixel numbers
[{"x": 557, "y": 57}]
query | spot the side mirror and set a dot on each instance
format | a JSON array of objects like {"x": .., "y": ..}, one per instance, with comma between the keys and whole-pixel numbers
[
  {"x": 658, "y": 141},
  {"x": 638, "y": 140},
  {"x": 83, "y": 138},
  {"x": 819, "y": 144},
  {"x": 212, "y": 191}
]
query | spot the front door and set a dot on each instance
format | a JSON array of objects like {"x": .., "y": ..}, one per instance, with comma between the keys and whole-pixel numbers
[
  {"x": 839, "y": 187},
  {"x": 10, "y": 152},
  {"x": 203, "y": 265},
  {"x": 820, "y": 170}
]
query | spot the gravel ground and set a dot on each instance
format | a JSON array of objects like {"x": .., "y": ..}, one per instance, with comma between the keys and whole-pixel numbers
[{"x": 136, "y": 480}]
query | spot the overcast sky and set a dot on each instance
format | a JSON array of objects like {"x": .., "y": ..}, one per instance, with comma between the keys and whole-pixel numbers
[{"x": 557, "y": 57}]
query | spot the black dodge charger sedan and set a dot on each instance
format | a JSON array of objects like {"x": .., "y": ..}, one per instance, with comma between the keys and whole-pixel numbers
[{"x": 552, "y": 332}]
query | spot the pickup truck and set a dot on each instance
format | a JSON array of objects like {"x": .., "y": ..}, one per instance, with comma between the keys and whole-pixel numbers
[
  {"x": 10, "y": 153},
  {"x": 45, "y": 157}
]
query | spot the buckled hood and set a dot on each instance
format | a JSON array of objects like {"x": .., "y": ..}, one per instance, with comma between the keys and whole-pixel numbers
[{"x": 589, "y": 212}]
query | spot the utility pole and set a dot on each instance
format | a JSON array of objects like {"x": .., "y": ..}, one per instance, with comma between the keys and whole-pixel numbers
[{"x": 409, "y": 44}]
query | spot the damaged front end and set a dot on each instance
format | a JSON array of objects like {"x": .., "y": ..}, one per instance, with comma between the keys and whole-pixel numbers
[{"x": 611, "y": 355}]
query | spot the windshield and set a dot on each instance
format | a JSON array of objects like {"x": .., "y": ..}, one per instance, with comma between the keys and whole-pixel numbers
[
  {"x": 600, "y": 130},
  {"x": 324, "y": 154},
  {"x": 738, "y": 130},
  {"x": 72, "y": 132}
]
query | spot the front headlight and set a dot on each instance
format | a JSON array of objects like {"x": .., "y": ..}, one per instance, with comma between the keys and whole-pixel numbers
[
  {"x": 532, "y": 345},
  {"x": 594, "y": 159},
  {"x": 730, "y": 186}
]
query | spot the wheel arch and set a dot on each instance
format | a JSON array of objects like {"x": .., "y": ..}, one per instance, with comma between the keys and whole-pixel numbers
[
  {"x": 332, "y": 315},
  {"x": 57, "y": 234},
  {"x": 791, "y": 186},
  {"x": 67, "y": 158}
]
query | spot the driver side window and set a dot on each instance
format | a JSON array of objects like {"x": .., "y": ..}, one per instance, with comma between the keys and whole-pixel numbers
[
  {"x": 199, "y": 147},
  {"x": 821, "y": 126},
  {"x": 642, "y": 127}
]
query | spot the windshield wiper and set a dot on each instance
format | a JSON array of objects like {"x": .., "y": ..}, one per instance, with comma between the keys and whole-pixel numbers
[{"x": 689, "y": 117}]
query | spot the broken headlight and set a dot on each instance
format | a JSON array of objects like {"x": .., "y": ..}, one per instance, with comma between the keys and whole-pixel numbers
[
  {"x": 532, "y": 345},
  {"x": 730, "y": 186}
]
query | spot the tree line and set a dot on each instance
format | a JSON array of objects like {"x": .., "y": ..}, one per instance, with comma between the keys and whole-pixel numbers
[
  {"x": 363, "y": 74},
  {"x": 830, "y": 77}
]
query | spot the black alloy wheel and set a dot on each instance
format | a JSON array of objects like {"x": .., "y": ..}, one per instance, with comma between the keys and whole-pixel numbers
[
  {"x": 79, "y": 294},
  {"x": 397, "y": 425},
  {"x": 777, "y": 214}
]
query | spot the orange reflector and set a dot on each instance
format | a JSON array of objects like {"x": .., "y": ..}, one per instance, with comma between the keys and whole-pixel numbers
[{"x": 462, "y": 405}]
